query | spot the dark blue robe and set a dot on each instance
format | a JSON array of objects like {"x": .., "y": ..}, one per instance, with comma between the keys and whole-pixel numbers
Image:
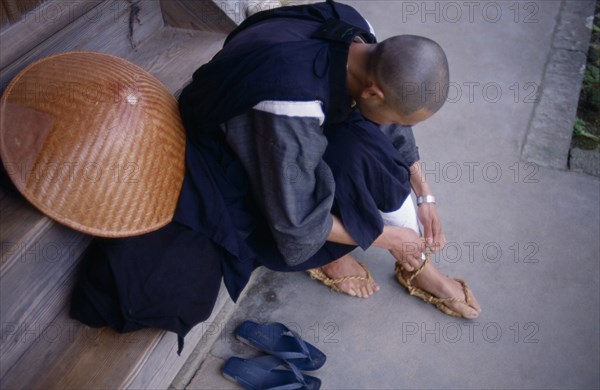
[{"x": 169, "y": 279}]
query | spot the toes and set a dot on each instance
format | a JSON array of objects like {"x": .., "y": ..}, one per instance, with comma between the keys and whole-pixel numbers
[
  {"x": 468, "y": 311},
  {"x": 365, "y": 292},
  {"x": 354, "y": 290},
  {"x": 462, "y": 309},
  {"x": 360, "y": 290},
  {"x": 373, "y": 288},
  {"x": 370, "y": 288},
  {"x": 349, "y": 267},
  {"x": 474, "y": 302}
]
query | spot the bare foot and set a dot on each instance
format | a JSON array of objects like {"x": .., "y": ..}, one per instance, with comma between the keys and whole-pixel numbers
[
  {"x": 433, "y": 281},
  {"x": 348, "y": 266}
]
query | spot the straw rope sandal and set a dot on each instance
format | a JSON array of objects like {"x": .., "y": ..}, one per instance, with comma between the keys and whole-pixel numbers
[
  {"x": 440, "y": 303},
  {"x": 318, "y": 274}
]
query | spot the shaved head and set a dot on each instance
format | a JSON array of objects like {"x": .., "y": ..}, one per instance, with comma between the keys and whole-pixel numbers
[{"x": 413, "y": 73}]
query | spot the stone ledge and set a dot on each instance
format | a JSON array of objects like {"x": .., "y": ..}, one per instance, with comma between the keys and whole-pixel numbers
[
  {"x": 549, "y": 134},
  {"x": 586, "y": 161},
  {"x": 572, "y": 31}
]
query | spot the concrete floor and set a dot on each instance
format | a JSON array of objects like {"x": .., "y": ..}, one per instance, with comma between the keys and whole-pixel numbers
[{"x": 525, "y": 237}]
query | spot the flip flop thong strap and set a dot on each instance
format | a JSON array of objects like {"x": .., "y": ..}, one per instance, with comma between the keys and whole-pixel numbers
[
  {"x": 287, "y": 332},
  {"x": 291, "y": 386},
  {"x": 267, "y": 362},
  {"x": 270, "y": 362},
  {"x": 289, "y": 355},
  {"x": 299, "y": 340},
  {"x": 297, "y": 373}
]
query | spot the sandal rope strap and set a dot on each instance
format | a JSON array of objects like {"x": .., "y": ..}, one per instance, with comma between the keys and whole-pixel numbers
[
  {"x": 440, "y": 303},
  {"x": 318, "y": 274}
]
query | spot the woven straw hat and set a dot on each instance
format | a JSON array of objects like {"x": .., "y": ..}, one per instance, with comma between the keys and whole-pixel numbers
[{"x": 94, "y": 142}]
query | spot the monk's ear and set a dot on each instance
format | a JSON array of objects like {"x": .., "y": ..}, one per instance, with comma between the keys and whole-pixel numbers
[{"x": 372, "y": 92}]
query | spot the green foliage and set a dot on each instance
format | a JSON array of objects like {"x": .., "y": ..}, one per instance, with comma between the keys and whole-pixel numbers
[
  {"x": 591, "y": 77},
  {"x": 586, "y": 130},
  {"x": 591, "y": 86},
  {"x": 580, "y": 129},
  {"x": 592, "y": 74}
]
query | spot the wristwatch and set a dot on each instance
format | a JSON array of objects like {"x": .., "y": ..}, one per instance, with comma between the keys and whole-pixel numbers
[{"x": 425, "y": 199}]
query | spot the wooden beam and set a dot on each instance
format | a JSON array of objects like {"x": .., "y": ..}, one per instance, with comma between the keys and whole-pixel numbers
[
  {"x": 70, "y": 355},
  {"x": 173, "y": 54},
  {"x": 3, "y": 15},
  {"x": 34, "y": 287},
  {"x": 12, "y": 10},
  {"x": 35, "y": 26},
  {"x": 106, "y": 28},
  {"x": 197, "y": 15}
]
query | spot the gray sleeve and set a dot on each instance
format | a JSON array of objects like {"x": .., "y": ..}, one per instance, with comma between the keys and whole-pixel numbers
[
  {"x": 403, "y": 139},
  {"x": 293, "y": 185}
]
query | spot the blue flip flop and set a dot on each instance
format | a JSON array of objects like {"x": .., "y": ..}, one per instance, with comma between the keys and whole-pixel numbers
[
  {"x": 260, "y": 374},
  {"x": 278, "y": 340}
]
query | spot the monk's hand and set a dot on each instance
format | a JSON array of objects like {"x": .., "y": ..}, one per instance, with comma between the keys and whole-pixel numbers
[
  {"x": 433, "y": 234},
  {"x": 406, "y": 247}
]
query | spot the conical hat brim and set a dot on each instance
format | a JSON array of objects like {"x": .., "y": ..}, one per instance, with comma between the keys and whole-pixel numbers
[{"x": 95, "y": 142}]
